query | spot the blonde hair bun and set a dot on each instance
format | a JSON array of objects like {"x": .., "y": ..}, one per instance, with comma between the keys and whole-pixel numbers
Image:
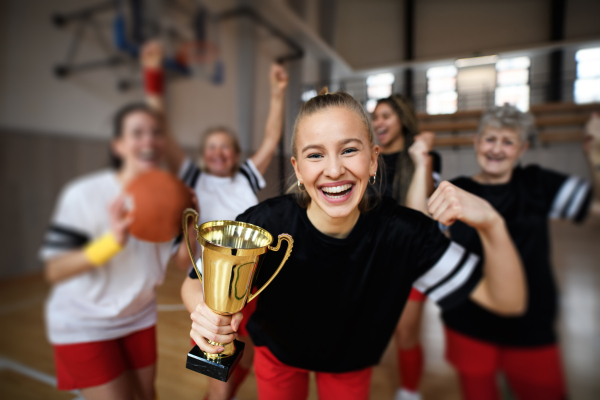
[{"x": 323, "y": 91}]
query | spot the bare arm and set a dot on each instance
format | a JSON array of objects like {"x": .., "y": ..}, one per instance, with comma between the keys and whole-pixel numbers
[
  {"x": 274, "y": 126},
  {"x": 151, "y": 60},
  {"x": 502, "y": 288},
  {"x": 421, "y": 184},
  {"x": 76, "y": 262},
  {"x": 192, "y": 293},
  {"x": 66, "y": 265}
]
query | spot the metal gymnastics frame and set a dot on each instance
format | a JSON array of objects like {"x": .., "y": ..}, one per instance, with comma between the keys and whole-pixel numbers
[{"x": 123, "y": 52}]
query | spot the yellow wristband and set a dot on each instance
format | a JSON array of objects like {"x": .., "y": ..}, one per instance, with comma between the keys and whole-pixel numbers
[{"x": 101, "y": 250}]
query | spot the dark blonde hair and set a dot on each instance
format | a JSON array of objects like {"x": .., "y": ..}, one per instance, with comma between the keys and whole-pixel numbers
[
  {"x": 213, "y": 131},
  {"x": 324, "y": 101},
  {"x": 405, "y": 168}
]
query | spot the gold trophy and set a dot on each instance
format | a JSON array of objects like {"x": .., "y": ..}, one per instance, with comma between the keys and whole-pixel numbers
[{"x": 230, "y": 258}]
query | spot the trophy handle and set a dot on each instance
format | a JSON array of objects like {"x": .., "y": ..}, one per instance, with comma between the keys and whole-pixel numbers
[
  {"x": 290, "y": 240},
  {"x": 186, "y": 214}
]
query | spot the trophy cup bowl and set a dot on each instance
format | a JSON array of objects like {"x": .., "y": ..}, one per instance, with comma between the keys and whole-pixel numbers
[{"x": 231, "y": 253}]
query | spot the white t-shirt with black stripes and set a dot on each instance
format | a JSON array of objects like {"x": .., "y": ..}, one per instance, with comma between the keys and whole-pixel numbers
[
  {"x": 224, "y": 198},
  {"x": 107, "y": 302}
]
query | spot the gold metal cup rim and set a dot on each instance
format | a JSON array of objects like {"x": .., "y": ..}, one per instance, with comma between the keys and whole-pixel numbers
[{"x": 253, "y": 251}]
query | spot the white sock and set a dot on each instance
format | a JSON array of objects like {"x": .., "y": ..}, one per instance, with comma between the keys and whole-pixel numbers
[{"x": 403, "y": 394}]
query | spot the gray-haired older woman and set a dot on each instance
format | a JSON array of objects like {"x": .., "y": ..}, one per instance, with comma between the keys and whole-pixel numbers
[{"x": 481, "y": 343}]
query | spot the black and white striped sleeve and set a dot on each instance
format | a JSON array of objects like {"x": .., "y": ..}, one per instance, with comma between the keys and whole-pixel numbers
[
  {"x": 253, "y": 175},
  {"x": 570, "y": 196},
  {"x": 447, "y": 271},
  {"x": 436, "y": 168},
  {"x": 69, "y": 229},
  {"x": 189, "y": 173}
]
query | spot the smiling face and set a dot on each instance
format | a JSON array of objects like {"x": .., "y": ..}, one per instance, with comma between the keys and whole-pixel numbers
[
  {"x": 220, "y": 155},
  {"x": 141, "y": 144},
  {"x": 334, "y": 160},
  {"x": 387, "y": 125},
  {"x": 498, "y": 150}
]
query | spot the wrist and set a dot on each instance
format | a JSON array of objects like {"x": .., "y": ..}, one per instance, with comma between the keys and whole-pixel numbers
[
  {"x": 277, "y": 94},
  {"x": 154, "y": 81},
  {"x": 493, "y": 224},
  {"x": 103, "y": 249}
]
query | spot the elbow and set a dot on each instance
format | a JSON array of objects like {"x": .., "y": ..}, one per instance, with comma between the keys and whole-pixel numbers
[
  {"x": 50, "y": 274},
  {"x": 515, "y": 306}
]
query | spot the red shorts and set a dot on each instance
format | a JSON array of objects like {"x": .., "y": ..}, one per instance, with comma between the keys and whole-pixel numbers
[
  {"x": 276, "y": 380},
  {"x": 83, "y": 365},
  {"x": 415, "y": 295},
  {"x": 531, "y": 372}
]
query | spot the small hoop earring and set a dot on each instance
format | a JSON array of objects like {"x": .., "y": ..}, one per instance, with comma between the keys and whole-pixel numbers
[
  {"x": 301, "y": 187},
  {"x": 374, "y": 179}
]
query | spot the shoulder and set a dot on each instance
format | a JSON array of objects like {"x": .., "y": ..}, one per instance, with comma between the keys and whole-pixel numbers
[
  {"x": 87, "y": 185},
  {"x": 273, "y": 209}
]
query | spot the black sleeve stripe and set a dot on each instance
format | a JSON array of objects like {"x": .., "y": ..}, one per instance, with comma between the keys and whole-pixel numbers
[
  {"x": 50, "y": 244},
  {"x": 585, "y": 206},
  {"x": 190, "y": 172},
  {"x": 576, "y": 200},
  {"x": 194, "y": 180},
  {"x": 442, "y": 269},
  {"x": 192, "y": 274},
  {"x": 562, "y": 197},
  {"x": 255, "y": 183},
  {"x": 457, "y": 281},
  {"x": 461, "y": 293},
  {"x": 57, "y": 233},
  {"x": 450, "y": 275},
  {"x": 245, "y": 170},
  {"x": 178, "y": 240}
]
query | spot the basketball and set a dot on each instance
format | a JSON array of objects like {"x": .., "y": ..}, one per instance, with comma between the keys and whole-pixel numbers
[{"x": 158, "y": 200}]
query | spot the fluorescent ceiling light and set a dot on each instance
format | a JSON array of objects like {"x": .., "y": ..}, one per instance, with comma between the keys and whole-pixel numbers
[{"x": 471, "y": 62}]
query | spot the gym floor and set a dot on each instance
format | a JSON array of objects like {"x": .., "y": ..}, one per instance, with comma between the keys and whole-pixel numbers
[{"x": 27, "y": 370}]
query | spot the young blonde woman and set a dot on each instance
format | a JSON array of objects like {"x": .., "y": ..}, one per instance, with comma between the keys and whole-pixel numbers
[
  {"x": 480, "y": 342},
  {"x": 334, "y": 306},
  {"x": 101, "y": 312},
  {"x": 412, "y": 174},
  {"x": 224, "y": 187}
]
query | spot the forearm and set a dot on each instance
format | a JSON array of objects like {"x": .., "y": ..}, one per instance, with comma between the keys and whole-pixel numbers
[
  {"x": 192, "y": 293},
  {"x": 416, "y": 197},
  {"x": 67, "y": 266},
  {"x": 503, "y": 286},
  {"x": 273, "y": 129}
]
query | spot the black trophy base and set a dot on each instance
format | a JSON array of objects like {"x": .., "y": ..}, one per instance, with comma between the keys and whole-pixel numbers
[{"x": 220, "y": 369}]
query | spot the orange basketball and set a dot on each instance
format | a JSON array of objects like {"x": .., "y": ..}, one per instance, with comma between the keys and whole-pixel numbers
[{"x": 158, "y": 201}]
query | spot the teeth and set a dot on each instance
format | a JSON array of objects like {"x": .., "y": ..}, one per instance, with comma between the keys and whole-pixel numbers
[{"x": 336, "y": 189}]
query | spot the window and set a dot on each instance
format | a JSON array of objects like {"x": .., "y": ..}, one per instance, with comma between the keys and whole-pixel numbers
[
  {"x": 308, "y": 94},
  {"x": 587, "y": 84},
  {"x": 378, "y": 87},
  {"x": 512, "y": 82},
  {"x": 441, "y": 90}
]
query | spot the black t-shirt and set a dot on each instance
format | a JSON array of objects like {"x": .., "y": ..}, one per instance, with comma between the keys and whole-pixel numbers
[
  {"x": 391, "y": 161},
  {"x": 526, "y": 202},
  {"x": 335, "y": 304}
]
